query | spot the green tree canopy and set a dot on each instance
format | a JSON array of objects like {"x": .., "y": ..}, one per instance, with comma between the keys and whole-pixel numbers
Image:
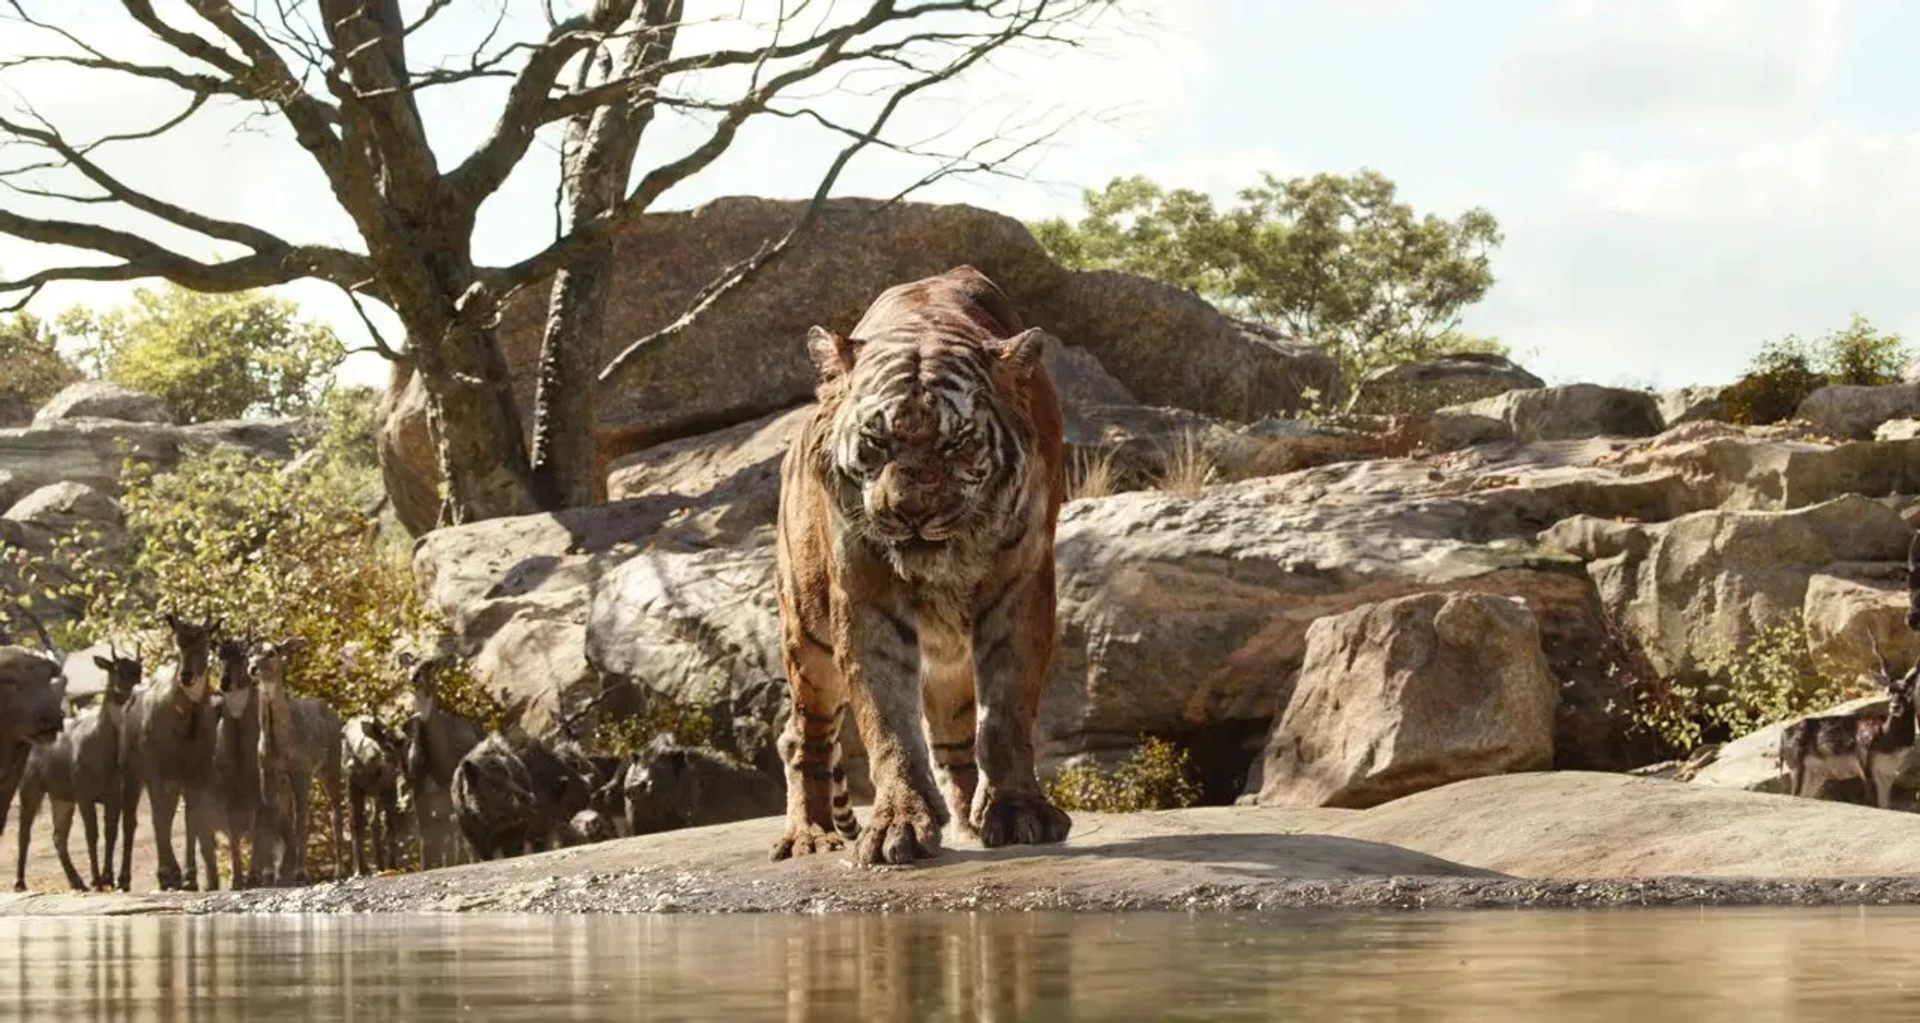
[
  {"x": 1331, "y": 259},
  {"x": 31, "y": 367},
  {"x": 210, "y": 356}
]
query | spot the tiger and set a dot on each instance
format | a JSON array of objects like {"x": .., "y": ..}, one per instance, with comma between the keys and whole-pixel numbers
[{"x": 914, "y": 557}]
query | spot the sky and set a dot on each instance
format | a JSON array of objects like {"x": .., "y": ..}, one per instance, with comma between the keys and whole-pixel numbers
[{"x": 1678, "y": 181}]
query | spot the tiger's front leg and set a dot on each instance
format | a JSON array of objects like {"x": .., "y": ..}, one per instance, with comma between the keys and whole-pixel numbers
[
  {"x": 1013, "y": 650},
  {"x": 881, "y": 662}
]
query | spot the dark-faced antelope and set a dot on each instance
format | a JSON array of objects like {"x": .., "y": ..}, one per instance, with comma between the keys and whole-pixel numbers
[{"x": 1835, "y": 747}]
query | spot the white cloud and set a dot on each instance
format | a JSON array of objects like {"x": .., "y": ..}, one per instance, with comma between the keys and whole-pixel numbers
[
  {"x": 1698, "y": 64},
  {"x": 1833, "y": 170}
]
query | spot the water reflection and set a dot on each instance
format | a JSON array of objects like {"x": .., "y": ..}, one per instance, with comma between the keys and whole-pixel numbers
[{"x": 1678, "y": 965}]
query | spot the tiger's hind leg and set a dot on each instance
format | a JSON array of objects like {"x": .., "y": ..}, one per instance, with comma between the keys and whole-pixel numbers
[
  {"x": 947, "y": 698},
  {"x": 819, "y": 816},
  {"x": 844, "y": 821}
]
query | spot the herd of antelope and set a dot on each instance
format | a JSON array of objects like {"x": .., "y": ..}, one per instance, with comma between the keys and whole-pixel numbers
[{"x": 242, "y": 759}]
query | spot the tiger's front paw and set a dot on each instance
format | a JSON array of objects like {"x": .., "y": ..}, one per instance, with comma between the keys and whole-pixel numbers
[
  {"x": 904, "y": 827},
  {"x": 806, "y": 839},
  {"x": 1016, "y": 819}
]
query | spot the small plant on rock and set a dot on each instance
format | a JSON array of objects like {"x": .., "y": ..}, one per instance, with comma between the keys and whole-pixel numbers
[
  {"x": 1775, "y": 677},
  {"x": 1158, "y": 775}
]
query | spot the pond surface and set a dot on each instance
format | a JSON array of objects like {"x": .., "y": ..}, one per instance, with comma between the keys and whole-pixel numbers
[{"x": 1646, "y": 966}]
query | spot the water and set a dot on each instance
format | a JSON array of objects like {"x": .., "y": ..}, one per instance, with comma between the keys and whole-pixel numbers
[{"x": 1647, "y": 966}]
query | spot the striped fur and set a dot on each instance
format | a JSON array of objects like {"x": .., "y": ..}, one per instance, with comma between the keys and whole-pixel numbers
[{"x": 915, "y": 565}]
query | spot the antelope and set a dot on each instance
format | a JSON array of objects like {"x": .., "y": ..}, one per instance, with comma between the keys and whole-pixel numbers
[{"x": 1837, "y": 747}]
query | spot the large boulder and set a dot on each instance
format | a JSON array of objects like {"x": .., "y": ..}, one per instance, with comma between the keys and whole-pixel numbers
[
  {"x": 409, "y": 465},
  {"x": 65, "y": 508},
  {"x": 1848, "y": 615},
  {"x": 89, "y": 451},
  {"x": 1078, "y": 376},
  {"x": 1569, "y": 413},
  {"x": 1413, "y": 388},
  {"x": 1693, "y": 405},
  {"x": 694, "y": 629},
  {"x": 515, "y": 593},
  {"x": 729, "y": 480},
  {"x": 745, "y": 357},
  {"x": 1853, "y": 412},
  {"x": 1411, "y": 694},
  {"x": 99, "y": 399}
]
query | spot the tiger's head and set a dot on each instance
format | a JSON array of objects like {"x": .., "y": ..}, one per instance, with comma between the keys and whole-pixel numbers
[{"x": 923, "y": 435}]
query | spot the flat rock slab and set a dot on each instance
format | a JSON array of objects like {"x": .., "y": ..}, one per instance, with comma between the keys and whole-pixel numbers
[
  {"x": 1546, "y": 839},
  {"x": 1575, "y": 824}
]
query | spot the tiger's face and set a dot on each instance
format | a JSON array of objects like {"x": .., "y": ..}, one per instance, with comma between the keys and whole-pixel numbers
[{"x": 924, "y": 435}]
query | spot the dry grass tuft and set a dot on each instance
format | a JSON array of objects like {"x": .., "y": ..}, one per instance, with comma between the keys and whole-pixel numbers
[
  {"x": 1093, "y": 474},
  {"x": 1188, "y": 468}
]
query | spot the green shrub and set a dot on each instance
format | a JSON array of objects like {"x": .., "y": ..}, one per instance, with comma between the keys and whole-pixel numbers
[
  {"x": 1156, "y": 776},
  {"x": 1776, "y": 677},
  {"x": 686, "y": 725},
  {"x": 266, "y": 554},
  {"x": 1786, "y": 371}
]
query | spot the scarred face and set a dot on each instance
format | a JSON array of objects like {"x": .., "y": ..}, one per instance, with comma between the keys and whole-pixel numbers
[{"x": 923, "y": 439}]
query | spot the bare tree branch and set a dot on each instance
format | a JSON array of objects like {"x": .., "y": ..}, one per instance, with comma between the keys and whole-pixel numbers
[
  {"x": 733, "y": 276},
  {"x": 226, "y": 230},
  {"x": 369, "y": 46}
]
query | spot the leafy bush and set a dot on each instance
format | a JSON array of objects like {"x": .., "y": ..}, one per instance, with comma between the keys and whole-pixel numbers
[
  {"x": 210, "y": 356},
  {"x": 1156, "y": 776},
  {"x": 1786, "y": 371},
  {"x": 1774, "y": 678},
  {"x": 685, "y": 725},
  {"x": 270, "y": 555},
  {"x": 32, "y": 369}
]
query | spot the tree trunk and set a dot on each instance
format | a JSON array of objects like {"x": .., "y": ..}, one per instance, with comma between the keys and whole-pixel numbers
[
  {"x": 483, "y": 460},
  {"x": 564, "y": 463},
  {"x": 600, "y": 152},
  {"x": 479, "y": 441}
]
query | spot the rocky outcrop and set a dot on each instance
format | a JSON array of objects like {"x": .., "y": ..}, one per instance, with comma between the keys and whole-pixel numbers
[
  {"x": 1582, "y": 825},
  {"x": 745, "y": 357},
  {"x": 99, "y": 399},
  {"x": 93, "y": 451},
  {"x": 1694, "y": 592},
  {"x": 1187, "y": 614},
  {"x": 1853, "y": 412},
  {"x": 1568, "y": 413},
  {"x": 1412, "y": 388},
  {"x": 1411, "y": 694}
]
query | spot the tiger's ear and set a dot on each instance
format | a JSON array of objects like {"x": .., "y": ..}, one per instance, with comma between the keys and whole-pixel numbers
[
  {"x": 1020, "y": 354},
  {"x": 832, "y": 354}
]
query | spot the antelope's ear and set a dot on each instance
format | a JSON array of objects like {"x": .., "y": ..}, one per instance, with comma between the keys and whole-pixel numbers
[
  {"x": 832, "y": 354},
  {"x": 1020, "y": 354},
  {"x": 102, "y": 663}
]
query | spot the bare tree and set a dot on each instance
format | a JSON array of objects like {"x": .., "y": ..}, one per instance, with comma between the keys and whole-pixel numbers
[{"x": 337, "y": 74}]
